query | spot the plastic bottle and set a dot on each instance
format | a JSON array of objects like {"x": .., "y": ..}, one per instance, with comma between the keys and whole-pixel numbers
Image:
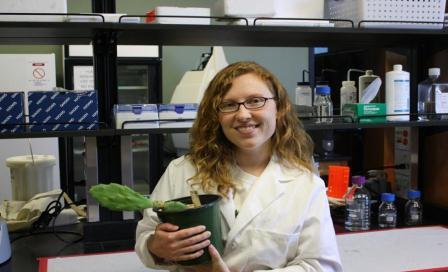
[
  {"x": 387, "y": 212},
  {"x": 304, "y": 93},
  {"x": 426, "y": 95},
  {"x": 413, "y": 210},
  {"x": 365, "y": 81},
  {"x": 357, "y": 206},
  {"x": 441, "y": 97},
  {"x": 348, "y": 93},
  {"x": 323, "y": 105},
  {"x": 397, "y": 94}
]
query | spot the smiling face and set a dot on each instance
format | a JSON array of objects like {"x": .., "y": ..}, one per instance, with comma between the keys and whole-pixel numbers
[{"x": 249, "y": 130}]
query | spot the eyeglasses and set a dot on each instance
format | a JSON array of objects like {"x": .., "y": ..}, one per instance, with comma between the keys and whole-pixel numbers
[{"x": 250, "y": 104}]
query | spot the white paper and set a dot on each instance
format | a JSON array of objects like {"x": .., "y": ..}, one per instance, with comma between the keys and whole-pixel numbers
[
  {"x": 110, "y": 262},
  {"x": 394, "y": 250}
]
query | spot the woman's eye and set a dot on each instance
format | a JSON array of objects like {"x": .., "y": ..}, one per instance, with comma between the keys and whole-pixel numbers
[{"x": 255, "y": 100}]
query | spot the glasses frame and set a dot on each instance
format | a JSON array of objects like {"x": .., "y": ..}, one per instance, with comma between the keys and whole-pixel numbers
[{"x": 245, "y": 105}]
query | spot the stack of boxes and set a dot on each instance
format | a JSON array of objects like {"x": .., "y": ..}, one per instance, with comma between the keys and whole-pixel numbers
[
  {"x": 128, "y": 116},
  {"x": 12, "y": 117}
]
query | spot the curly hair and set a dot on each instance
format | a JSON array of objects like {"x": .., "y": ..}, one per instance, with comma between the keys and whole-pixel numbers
[{"x": 212, "y": 153}]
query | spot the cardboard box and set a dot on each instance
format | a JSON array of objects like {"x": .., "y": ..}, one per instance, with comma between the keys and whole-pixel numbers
[
  {"x": 146, "y": 115},
  {"x": 365, "y": 113},
  {"x": 27, "y": 72},
  {"x": 177, "y": 115},
  {"x": 173, "y": 11},
  {"x": 33, "y": 6},
  {"x": 12, "y": 115},
  {"x": 66, "y": 110}
]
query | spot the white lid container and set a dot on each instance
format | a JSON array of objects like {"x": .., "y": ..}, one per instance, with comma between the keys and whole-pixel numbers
[{"x": 30, "y": 175}]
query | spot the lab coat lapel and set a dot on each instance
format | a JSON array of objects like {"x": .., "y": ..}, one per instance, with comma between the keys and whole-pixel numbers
[
  {"x": 227, "y": 208},
  {"x": 267, "y": 189}
]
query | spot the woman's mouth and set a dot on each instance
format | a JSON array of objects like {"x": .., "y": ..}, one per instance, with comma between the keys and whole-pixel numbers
[{"x": 246, "y": 129}]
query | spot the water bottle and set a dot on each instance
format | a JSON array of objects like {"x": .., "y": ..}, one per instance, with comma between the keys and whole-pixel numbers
[
  {"x": 323, "y": 105},
  {"x": 387, "y": 212},
  {"x": 413, "y": 209},
  {"x": 357, "y": 206},
  {"x": 426, "y": 95}
]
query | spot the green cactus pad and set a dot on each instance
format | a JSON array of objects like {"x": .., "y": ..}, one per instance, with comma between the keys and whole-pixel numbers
[{"x": 118, "y": 197}]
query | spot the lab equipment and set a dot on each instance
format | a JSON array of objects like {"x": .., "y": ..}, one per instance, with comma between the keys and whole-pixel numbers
[
  {"x": 358, "y": 206},
  {"x": 387, "y": 212}
]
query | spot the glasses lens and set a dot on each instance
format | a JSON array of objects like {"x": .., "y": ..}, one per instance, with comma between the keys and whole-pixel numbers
[
  {"x": 254, "y": 103},
  {"x": 228, "y": 107}
]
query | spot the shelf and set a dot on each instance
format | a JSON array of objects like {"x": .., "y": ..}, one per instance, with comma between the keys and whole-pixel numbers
[
  {"x": 52, "y": 134},
  {"x": 348, "y": 126},
  {"x": 124, "y": 132},
  {"x": 224, "y": 35}
]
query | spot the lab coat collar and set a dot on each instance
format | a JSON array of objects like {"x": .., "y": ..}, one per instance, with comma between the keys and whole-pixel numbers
[{"x": 266, "y": 190}]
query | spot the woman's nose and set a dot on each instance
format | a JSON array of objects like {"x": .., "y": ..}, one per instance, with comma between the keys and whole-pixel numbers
[{"x": 242, "y": 113}]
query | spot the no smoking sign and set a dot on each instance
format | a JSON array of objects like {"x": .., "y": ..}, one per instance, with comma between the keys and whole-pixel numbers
[{"x": 38, "y": 73}]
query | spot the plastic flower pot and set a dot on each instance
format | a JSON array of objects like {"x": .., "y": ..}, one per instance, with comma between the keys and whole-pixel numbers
[{"x": 208, "y": 214}]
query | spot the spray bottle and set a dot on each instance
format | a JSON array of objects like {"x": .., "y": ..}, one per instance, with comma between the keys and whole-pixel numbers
[{"x": 348, "y": 90}]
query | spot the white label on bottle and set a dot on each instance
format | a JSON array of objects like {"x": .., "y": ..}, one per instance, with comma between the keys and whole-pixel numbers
[
  {"x": 303, "y": 97},
  {"x": 441, "y": 102},
  {"x": 401, "y": 96},
  {"x": 348, "y": 96}
]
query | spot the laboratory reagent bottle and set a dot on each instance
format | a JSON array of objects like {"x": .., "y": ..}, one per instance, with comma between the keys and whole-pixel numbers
[
  {"x": 348, "y": 94},
  {"x": 413, "y": 209},
  {"x": 397, "y": 94},
  {"x": 304, "y": 94},
  {"x": 387, "y": 212},
  {"x": 357, "y": 216},
  {"x": 426, "y": 95},
  {"x": 323, "y": 105},
  {"x": 365, "y": 81}
]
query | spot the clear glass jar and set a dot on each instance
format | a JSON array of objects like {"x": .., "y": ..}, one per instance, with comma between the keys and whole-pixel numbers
[
  {"x": 323, "y": 106},
  {"x": 387, "y": 212}
]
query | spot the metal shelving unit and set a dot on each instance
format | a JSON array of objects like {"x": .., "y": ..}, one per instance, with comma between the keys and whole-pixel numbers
[{"x": 105, "y": 37}]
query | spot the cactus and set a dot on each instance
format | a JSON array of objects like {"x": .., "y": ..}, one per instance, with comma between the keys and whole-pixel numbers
[{"x": 118, "y": 197}]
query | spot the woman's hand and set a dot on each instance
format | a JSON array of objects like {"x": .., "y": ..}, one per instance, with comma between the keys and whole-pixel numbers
[
  {"x": 217, "y": 264},
  {"x": 173, "y": 245}
]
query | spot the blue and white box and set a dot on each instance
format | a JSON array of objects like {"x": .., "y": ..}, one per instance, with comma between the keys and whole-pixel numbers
[
  {"x": 63, "y": 110},
  {"x": 128, "y": 116},
  {"x": 177, "y": 115},
  {"x": 12, "y": 117}
]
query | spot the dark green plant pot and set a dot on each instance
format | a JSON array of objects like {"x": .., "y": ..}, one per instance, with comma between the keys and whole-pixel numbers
[{"x": 208, "y": 215}]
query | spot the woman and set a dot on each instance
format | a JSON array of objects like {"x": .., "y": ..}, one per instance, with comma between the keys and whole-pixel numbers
[{"x": 248, "y": 146}]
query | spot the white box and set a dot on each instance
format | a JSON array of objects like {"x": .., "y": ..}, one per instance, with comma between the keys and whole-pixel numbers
[
  {"x": 177, "y": 115},
  {"x": 172, "y": 11},
  {"x": 103, "y": 17},
  {"x": 33, "y": 6},
  {"x": 27, "y": 72},
  {"x": 136, "y": 112},
  {"x": 244, "y": 8}
]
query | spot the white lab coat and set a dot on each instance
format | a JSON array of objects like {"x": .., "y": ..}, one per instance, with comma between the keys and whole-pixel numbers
[{"x": 283, "y": 225}]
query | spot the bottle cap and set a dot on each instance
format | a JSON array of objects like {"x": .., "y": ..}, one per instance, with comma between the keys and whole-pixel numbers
[
  {"x": 369, "y": 72},
  {"x": 358, "y": 180},
  {"x": 387, "y": 197},
  {"x": 323, "y": 89},
  {"x": 348, "y": 83},
  {"x": 434, "y": 71},
  {"x": 398, "y": 67},
  {"x": 413, "y": 194}
]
